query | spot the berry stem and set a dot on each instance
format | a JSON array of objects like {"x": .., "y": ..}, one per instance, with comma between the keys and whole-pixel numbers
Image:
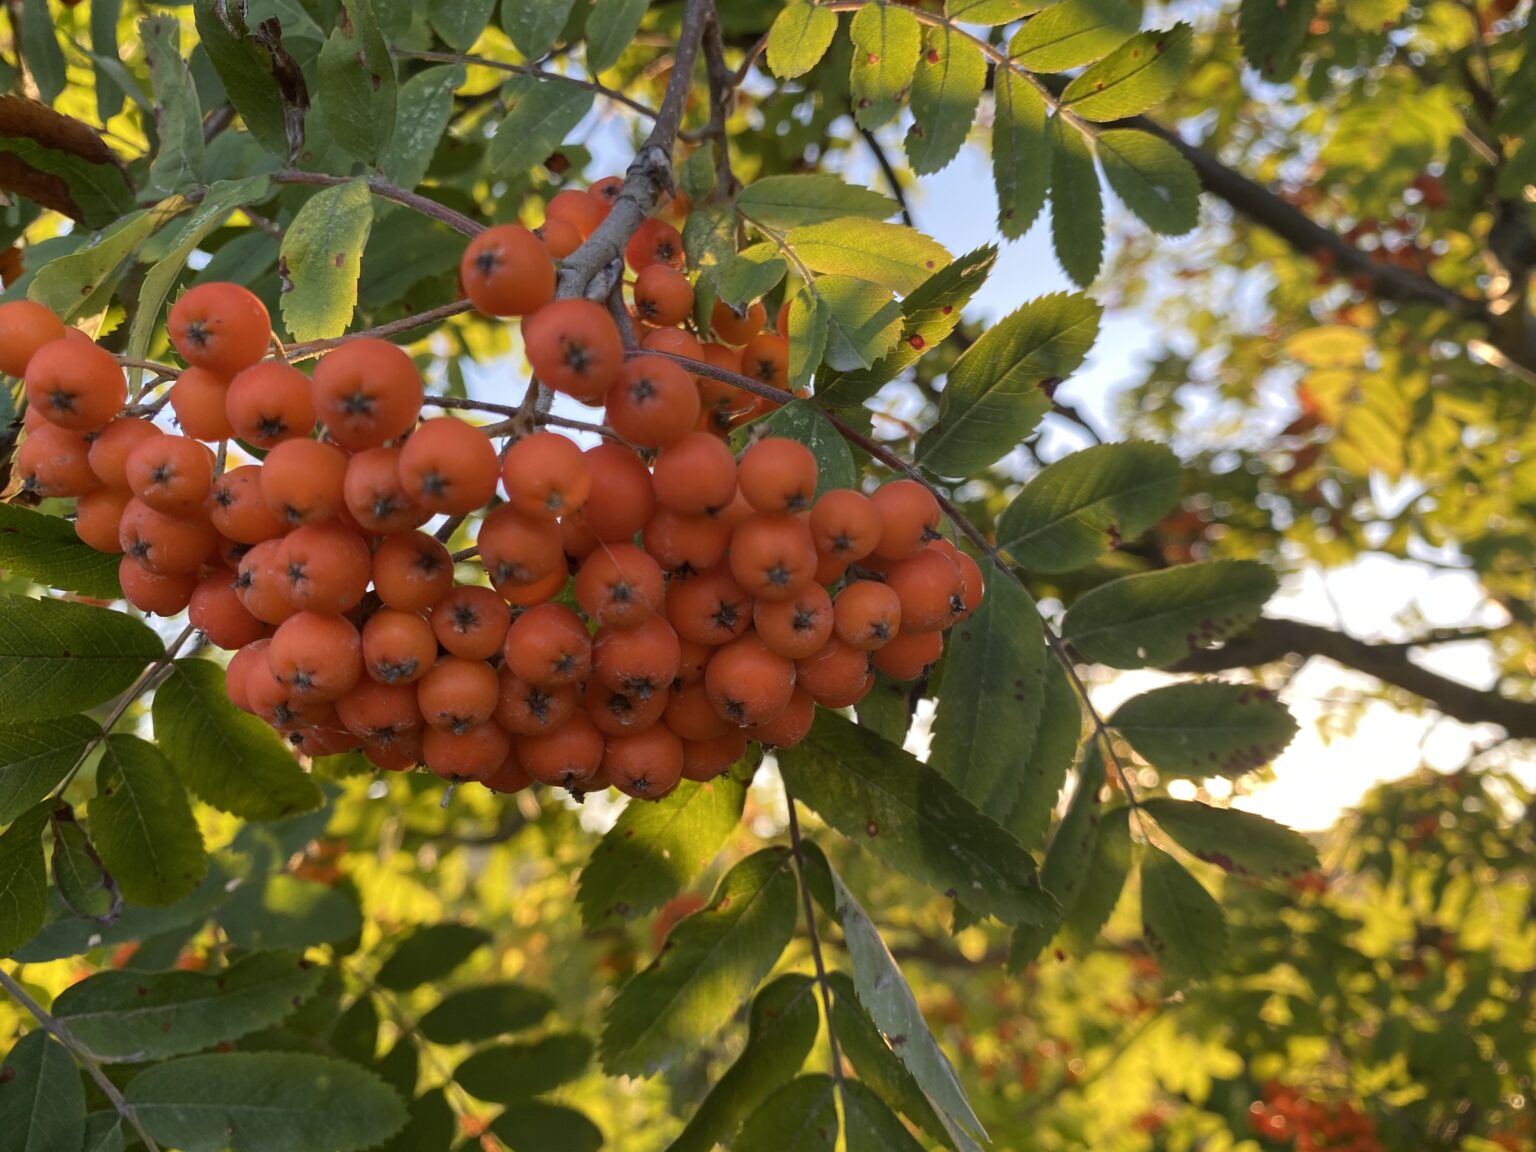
[{"x": 83, "y": 1056}]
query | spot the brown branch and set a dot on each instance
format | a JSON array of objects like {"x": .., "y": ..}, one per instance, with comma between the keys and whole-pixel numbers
[
  {"x": 529, "y": 70},
  {"x": 1272, "y": 639},
  {"x": 312, "y": 348},
  {"x": 723, "y": 83},
  {"x": 889, "y": 171},
  {"x": 384, "y": 190}
]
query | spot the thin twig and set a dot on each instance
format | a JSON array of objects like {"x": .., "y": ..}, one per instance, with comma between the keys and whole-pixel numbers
[
  {"x": 723, "y": 83},
  {"x": 169, "y": 371},
  {"x": 385, "y": 191},
  {"x": 813, "y": 937},
  {"x": 313, "y": 348},
  {"x": 530, "y": 70},
  {"x": 889, "y": 171},
  {"x": 83, "y": 1056}
]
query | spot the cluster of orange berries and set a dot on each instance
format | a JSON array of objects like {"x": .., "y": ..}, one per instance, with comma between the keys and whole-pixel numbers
[
  {"x": 1285, "y": 1116},
  {"x": 644, "y": 616}
]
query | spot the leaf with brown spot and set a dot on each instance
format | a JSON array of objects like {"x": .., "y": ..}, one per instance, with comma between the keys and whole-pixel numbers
[
  {"x": 60, "y": 163},
  {"x": 1242, "y": 843}
]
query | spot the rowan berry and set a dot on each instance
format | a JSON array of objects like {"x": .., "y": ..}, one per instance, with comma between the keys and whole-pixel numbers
[
  {"x": 798, "y": 627},
  {"x": 765, "y": 358},
  {"x": 909, "y": 518},
  {"x": 99, "y": 518},
  {"x": 252, "y": 655},
  {"x": 318, "y": 657},
  {"x": 269, "y": 403},
  {"x": 867, "y": 615},
  {"x": 260, "y": 585},
  {"x": 778, "y": 475},
  {"x": 237, "y": 510},
  {"x": 620, "y": 714},
  {"x": 653, "y": 402},
  {"x": 931, "y": 590},
  {"x": 646, "y": 765},
  {"x": 791, "y": 725},
  {"x": 772, "y": 556},
  {"x": 366, "y": 392},
  {"x": 110, "y": 447},
  {"x": 510, "y": 778},
  {"x": 470, "y": 753},
  {"x": 663, "y": 296},
  {"x": 605, "y": 191},
  {"x": 685, "y": 543},
  {"x": 75, "y": 385},
  {"x": 200, "y": 400},
  {"x": 576, "y": 208},
  {"x": 374, "y": 496},
  {"x": 704, "y": 760},
  {"x": 412, "y": 571},
  {"x": 575, "y": 348},
  {"x": 171, "y": 474},
  {"x": 507, "y": 271},
  {"x": 398, "y": 647},
  {"x": 692, "y": 715},
  {"x": 619, "y": 586},
  {"x": 838, "y": 676},
  {"x": 380, "y": 713},
  {"x": 565, "y": 758},
  {"x": 655, "y": 242},
  {"x": 458, "y": 694},
  {"x": 747, "y": 682},
  {"x": 546, "y": 474},
  {"x": 622, "y": 499},
  {"x": 692, "y": 658},
  {"x": 637, "y": 661},
  {"x": 325, "y": 568},
  {"x": 909, "y": 654},
  {"x": 471, "y": 621},
  {"x": 158, "y": 593},
  {"x": 527, "y": 710},
  {"x": 55, "y": 462},
  {"x": 695, "y": 475},
  {"x": 163, "y": 543},
  {"x": 709, "y": 607},
  {"x": 221, "y": 327},
  {"x": 449, "y": 466},
  {"x": 560, "y": 237},
  {"x": 548, "y": 646},
  {"x": 216, "y": 610},
  {"x": 970, "y": 577},
  {"x": 845, "y": 525},
  {"x": 25, "y": 327},
  {"x": 735, "y": 327}
]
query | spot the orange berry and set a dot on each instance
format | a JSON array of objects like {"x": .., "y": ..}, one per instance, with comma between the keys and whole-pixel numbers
[
  {"x": 381, "y": 714},
  {"x": 458, "y": 694},
  {"x": 798, "y": 627},
  {"x": 620, "y": 714},
  {"x": 637, "y": 661},
  {"x": 366, "y": 392},
  {"x": 619, "y": 586},
  {"x": 398, "y": 647},
  {"x": 790, "y": 726},
  {"x": 704, "y": 760},
  {"x": 171, "y": 473},
  {"x": 693, "y": 656},
  {"x": 240, "y": 664},
  {"x": 221, "y": 327},
  {"x": 695, "y": 475},
  {"x": 673, "y": 342},
  {"x": 471, "y": 753},
  {"x": 163, "y": 543},
  {"x": 471, "y": 621},
  {"x": 655, "y": 242},
  {"x": 830, "y": 569},
  {"x": 159, "y": 594},
  {"x": 237, "y": 509},
  {"x": 622, "y": 498},
  {"x": 25, "y": 327},
  {"x": 691, "y": 714},
  {"x": 325, "y": 568},
  {"x": 653, "y": 403},
  {"x": 373, "y": 495},
  {"x": 909, "y": 517},
  {"x": 507, "y": 271},
  {"x": 867, "y": 614},
  {"x": 970, "y": 577},
  {"x": 663, "y": 296},
  {"x": 518, "y": 551},
  {"x": 110, "y": 448},
  {"x": 548, "y": 646},
  {"x": 931, "y": 590},
  {"x": 576, "y": 208},
  {"x": 99, "y": 517},
  {"x": 709, "y": 607},
  {"x": 199, "y": 400},
  {"x": 575, "y": 348},
  {"x": 259, "y": 583},
  {"x": 737, "y": 328},
  {"x": 765, "y": 358},
  {"x": 215, "y": 608},
  {"x": 412, "y": 571},
  {"x": 565, "y": 758},
  {"x": 527, "y": 710},
  {"x": 772, "y": 556},
  {"x": 75, "y": 385},
  {"x": 838, "y": 676},
  {"x": 749, "y": 683},
  {"x": 269, "y": 403},
  {"x": 686, "y": 543},
  {"x": 546, "y": 474},
  {"x": 778, "y": 475},
  {"x": 303, "y": 481},
  {"x": 449, "y": 466},
  {"x": 560, "y": 237},
  {"x": 845, "y": 525},
  {"x": 54, "y": 461},
  {"x": 781, "y": 319},
  {"x": 909, "y": 654},
  {"x": 605, "y": 191},
  {"x": 646, "y": 765},
  {"x": 510, "y": 778},
  {"x": 318, "y": 657}
]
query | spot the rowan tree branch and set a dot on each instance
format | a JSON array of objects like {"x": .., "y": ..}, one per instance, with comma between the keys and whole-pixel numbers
[{"x": 1273, "y": 639}]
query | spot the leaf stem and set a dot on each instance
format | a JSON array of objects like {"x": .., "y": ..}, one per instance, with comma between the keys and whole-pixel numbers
[
  {"x": 823, "y": 984},
  {"x": 532, "y": 70},
  {"x": 83, "y": 1056}
]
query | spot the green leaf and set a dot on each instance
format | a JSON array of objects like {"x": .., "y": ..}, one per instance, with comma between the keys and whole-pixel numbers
[
  {"x": 1156, "y": 618},
  {"x": 897, "y": 257},
  {"x": 355, "y": 1035},
  {"x": 781, "y": 1032},
  {"x": 432, "y": 1125},
  {"x": 799, "y": 37},
  {"x": 485, "y": 1011},
  {"x": 863, "y": 321},
  {"x": 992, "y": 12},
  {"x": 355, "y": 89},
  {"x": 869, "y": 1125},
  {"x": 59, "y": 169},
  {"x": 322, "y": 255},
  {"x": 1181, "y": 923},
  {"x": 1077, "y": 205},
  {"x": 104, "y": 1132},
  {"x": 459, "y": 22},
  {"x": 1082, "y": 505},
  {"x": 178, "y": 161},
  {"x": 259, "y": 1101},
  {"x": 429, "y": 954},
  {"x": 58, "y": 658},
  {"x": 535, "y": 1126},
  {"x": 290, "y": 912},
  {"x": 400, "y": 1067},
  {"x": 1073, "y": 33},
  {"x": 1103, "y": 881},
  {"x": 696, "y": 173},
  {"x": 544, "y": 113},
  {"x": 42, "y": 1102},
  {"x": 223, "y": 198},
  {"x": 802, "y": 420},
  {"x": 535, "y": 25},
  {"x": 83, "y": 883},
  {"x": 1273, "y": 34},
  {"x": 750, "y": 274},
  {"x": 1374, "y": 15},
  {"x": 887, "y": 997},
  {"x": 799, "y": 1117},
  {"x": 709, "y": 239},
  {"x": 505, "y": 1073},
  {"x": 810, "y": 198},
  {"x": 231, "y": 760},
  {"x": 993, "y": 398},
  {"x": 809, "y": 319},
  {"x": 1205, "y": 729},
  {"x": 945, "y": 93},
  {"x": 712, "y": 962},
  {"x": 929, "y": 314},
  {"x": 40, "y": 49},
  {"x": 994, "y": 665},
  {"x": 262, "y": 80},
  {"x": 35, "y": 757},
  {"x": 23, "y": 878},
  {"x": 104, "y": 18},
  {"x": 143, "y": 825},
  {"x": 1138, "y": 75},
  {"x": 1155, "y": 182},
  {"x": 141, "y": 1016},
  {"x": 1055, "y": 747},
  {"x": 611, "y": 28},
  {"x": 82, "y": 283},
  {"x": 426, "y": 102},
  {"x": 653, "y": 850},
  {"x": 1243, "y": 843},
  {"x": 904, "y": 812},
  {"x": 1066, "y": 860},
  {"x": 886, "y": 43}
]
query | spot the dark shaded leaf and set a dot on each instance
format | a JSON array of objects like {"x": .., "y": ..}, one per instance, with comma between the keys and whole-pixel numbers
[
  {"x": 430, "y": 953},
  {"x": 23, "y": 878},
  {"x": 505, "y": 1073},
  {"x": 535, "y": 1126},
  {"x": 263, "y": 81},
  {"x": 59, "y": 658},
  {"x": 1181, "y": 923},
  {"x": 42, "y": 1102},
  {"x": 35, "y": 757},
  {"x": 1243, "y": 843},
  {"x": 143, "y": 824},
  {"x": 485, "y": 1011},
  {"x": 356, "y": 88},
  {"x": 1206, "y": 729}
]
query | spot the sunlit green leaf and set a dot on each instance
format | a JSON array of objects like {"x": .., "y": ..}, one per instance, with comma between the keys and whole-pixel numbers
[
  {"x": 945, "y": 93},
  {"x": 1073, "y": 33},
  {"x": 863, "y": 321},
  {"x": 886, "y": 43},
  {"x": 799, "y": 37},
  {"x": 322, "y": 256},
  {"x": 1077, "y": 205},
  {"x": 1138, "y": 75},
  {"x": 1243, "y": 843},
  {"x": 789, "y": 201},
  {"x": 891, "y": 255},
  {"x": 178, "y": 160}
]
